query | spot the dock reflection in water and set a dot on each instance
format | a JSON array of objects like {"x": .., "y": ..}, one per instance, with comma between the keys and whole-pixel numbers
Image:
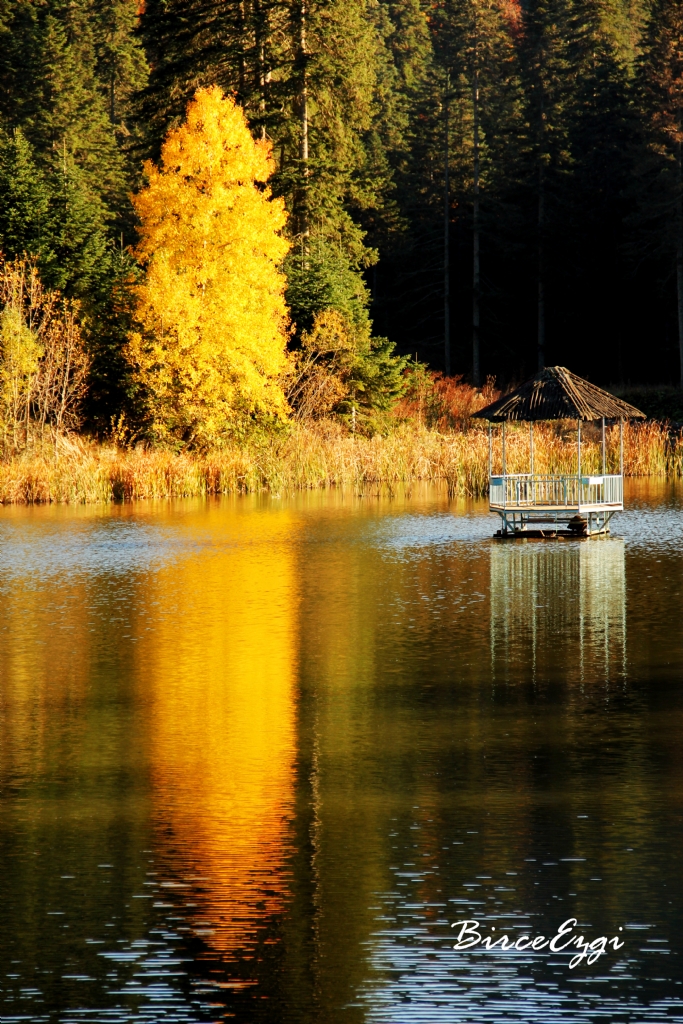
[{"x": 559, "y": 610}]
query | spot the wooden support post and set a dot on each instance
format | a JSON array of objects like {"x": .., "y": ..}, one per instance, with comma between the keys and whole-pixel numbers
[
  {"x": 490, "y": 451},
  {"x": 503, "y": 447},
  {"x": 531, "y": 446},
  {"x": 579, "y": 451},
  {"x": 604, "y": 460}
]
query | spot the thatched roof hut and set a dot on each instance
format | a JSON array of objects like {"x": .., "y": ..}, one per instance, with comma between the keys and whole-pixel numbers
[{"x": 557, "y": 394}]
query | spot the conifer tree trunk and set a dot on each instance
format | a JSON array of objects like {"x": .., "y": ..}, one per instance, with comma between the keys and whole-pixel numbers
[
  {"x": 241, "y": 60},
  {"x": 261, "y": 25},
  {"x": 476, "y": 369},
  {"x": 679, "y": 256},
  {"x": 540, "y": 270},
  {"x": 303, "y": 114},
  {"x": 446, "y": 243}
]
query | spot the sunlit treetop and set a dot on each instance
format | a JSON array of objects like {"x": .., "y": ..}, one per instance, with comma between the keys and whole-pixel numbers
[{"x": 211, "y": 313}]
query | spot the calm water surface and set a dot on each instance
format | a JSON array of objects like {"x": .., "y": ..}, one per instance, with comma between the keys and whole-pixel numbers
[{"x": 258, "y": 755}]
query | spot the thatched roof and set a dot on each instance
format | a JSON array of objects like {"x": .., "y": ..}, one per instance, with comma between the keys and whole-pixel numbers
[{"x": 557, "y": 394}]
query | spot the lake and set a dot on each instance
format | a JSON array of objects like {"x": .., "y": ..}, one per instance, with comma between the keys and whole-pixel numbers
[{"x": 258, "y": 755}]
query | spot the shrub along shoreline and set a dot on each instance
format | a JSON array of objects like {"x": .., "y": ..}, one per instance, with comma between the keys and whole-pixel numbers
[{"x": 322, "y": 455}]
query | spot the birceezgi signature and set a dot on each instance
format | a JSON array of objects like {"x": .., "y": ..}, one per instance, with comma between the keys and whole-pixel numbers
[{"x": 564, "y": 939}]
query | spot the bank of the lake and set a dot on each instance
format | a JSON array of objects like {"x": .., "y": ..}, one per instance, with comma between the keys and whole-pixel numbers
[{"x": 321, "y": 455}]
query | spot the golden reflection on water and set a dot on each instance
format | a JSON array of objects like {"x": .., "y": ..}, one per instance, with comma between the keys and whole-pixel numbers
[
  {"x": 331, "y": 724},
  {"x": 38, "y": 678},
  {"x": 219, "y": 667}
]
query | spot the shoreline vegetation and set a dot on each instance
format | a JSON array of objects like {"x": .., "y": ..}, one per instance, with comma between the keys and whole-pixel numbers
[
  {"x": 237, "y": 262},
  {"x": 324, "y": 454},
  {"x": 221, "y": 392},
  {"x": 237, "y": 354}
]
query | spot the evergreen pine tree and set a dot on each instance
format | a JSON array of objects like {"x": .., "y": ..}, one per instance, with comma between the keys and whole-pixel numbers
[
  {"x": 576, "y": 58},
  {"x": 548, "y": 76},
  {"x": 69, "y": 70},
  {"x": 660, "y": 170},
  {"x": 81, "y": 55},
  {"x": 408, "y": 280},
  {"x": 464, "y": 119},
  {"x": 70, "y": 111},
  {"x": 190, "y": 44},
  {"x": 594, "y": 204},
  {"x": 77, "y": 263},
  {"x": 120, "y": 64},
  {"x": 24, "y": 199},
  {"x": 475, "y": 47}
]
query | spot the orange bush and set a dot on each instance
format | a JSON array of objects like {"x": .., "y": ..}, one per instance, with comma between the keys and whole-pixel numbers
[{"x": 442, "y": 403}]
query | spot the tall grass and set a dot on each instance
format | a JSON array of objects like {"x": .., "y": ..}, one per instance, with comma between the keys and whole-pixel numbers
[{"x": 325, "y": 455}]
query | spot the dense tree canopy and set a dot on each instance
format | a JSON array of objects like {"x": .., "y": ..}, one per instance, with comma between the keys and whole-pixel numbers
[{"x": 556, "y": 120}]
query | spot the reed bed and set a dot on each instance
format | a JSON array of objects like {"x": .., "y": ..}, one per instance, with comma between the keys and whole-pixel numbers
[{"x": 324, "y": 455}]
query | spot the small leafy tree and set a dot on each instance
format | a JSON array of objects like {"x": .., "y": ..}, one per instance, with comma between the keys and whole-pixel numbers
[
  {"x": 341, "y": 369},
  {"x": 210, "y": 344},
  {"x": 43, "y": 361},
  {"x": 21, "y": 352},
  {"x": 439, "y": 402}
]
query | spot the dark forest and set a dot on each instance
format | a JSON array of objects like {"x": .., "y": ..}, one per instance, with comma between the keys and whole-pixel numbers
[{"x": 500, "y": 183}]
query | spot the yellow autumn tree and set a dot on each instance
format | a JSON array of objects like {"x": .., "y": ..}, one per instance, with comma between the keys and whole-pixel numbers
[{"x": 211, "y": 334}]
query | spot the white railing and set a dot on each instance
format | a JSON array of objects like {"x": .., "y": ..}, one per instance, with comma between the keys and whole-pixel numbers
[{"x": 524, "y": 490}]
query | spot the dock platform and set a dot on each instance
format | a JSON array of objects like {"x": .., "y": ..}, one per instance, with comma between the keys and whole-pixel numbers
[{"x": 549, "y": 506}]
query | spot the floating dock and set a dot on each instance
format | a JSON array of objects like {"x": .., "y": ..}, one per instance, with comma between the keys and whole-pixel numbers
[{"x": 542, "y": 506}]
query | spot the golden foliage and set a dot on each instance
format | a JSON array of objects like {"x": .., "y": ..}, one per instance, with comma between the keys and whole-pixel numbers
[
  {"x": 43, "y": 362},
  {"x": 212, "y": 319},
  {"x": 321, "y": 367},
  {"x": 341, "y": 370}
]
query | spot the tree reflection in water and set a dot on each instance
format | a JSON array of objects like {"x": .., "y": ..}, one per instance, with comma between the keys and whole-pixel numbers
[{"x": 219, "y": 670}]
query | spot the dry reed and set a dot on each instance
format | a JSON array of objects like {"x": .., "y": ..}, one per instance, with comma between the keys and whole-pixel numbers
[{"x": 324, "y": 455}]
